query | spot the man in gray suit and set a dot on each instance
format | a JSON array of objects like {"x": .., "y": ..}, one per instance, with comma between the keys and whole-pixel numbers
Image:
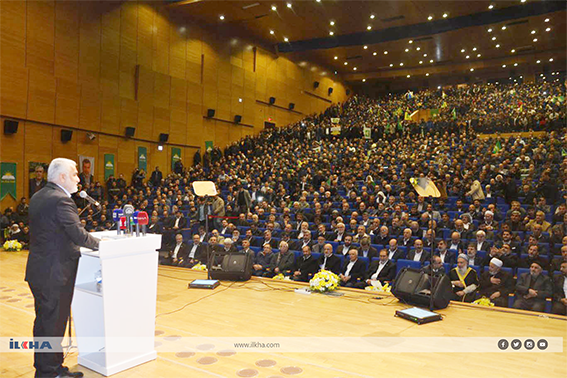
[
  {"x": 283, "y": 261},
  {"x": 532, "y": 289},
  {"x": 56, "y": 235}
]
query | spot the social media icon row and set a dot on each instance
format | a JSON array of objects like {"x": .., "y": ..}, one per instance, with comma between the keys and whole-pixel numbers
[{"x": 516, "y": 344}]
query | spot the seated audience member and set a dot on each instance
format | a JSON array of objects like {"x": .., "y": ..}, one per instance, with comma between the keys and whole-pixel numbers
[
  {"x": 261, "y": 264},
  {"x": 436, "y": 267},
  {"x": 154, "y": 227},
  {"x": 539, "y": 219},
  {"x": 532, "y": 289},
  {"x": 341, "y": 232},
  {"x": 177, "y": 254},
  {"x": 305, "y": 266},
  {"x": 406, "y": 240},
  {"x": 496, "y": 284},
  {"x": 346, "y": 247},
  {"x": 456, "y": 243},
  {"x": 383, "y": 270},
  {"x": 303, "y": 242},
  {"x": 394, "y": 253},
  {"x": 197, "y": 252},
  {"x": 246, "y": 247},
  {"x": 472, "y": 257},
  {"x": 353, "y": 270},
  {"x": 418, "y": 253},
  {"x": 179, "y": 222},
  {"x": 318, "y": 247},
  {"x": 464, "y": 280},
  {"x": 328, "y": 261},
  {"x": 481, "y": 243},
  {"x": 366, "y": 250},
  {"x": 560, "y": 291},
  {"x": 283, "y": 261},
  {"x": 267, "y": 239},
  {"x": 533, "y": 256},
  {"x": 447, "y": 257},
  {"x": 556, "y": 262}
]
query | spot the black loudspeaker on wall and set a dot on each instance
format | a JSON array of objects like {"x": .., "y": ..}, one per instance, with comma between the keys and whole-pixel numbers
[
  {"x": 272, "y": 100},
  {"x": 163, "y": 138},
  {"x": 291, "y": 106},
  {"x": 412, "y": 286},
  {"x": 315, "y": 84},
  {"x": 237, "y": 118},
  {"x": 66, "y": 135},
  {"x": 130, "y": 131},
  {"x": 210, "y": 113},
  {"x": 10, "y": 126},
  {"x": 234, "y": 267}
]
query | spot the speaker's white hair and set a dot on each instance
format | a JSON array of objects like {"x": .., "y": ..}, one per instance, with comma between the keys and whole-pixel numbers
[{"x": 59, "y": 166}]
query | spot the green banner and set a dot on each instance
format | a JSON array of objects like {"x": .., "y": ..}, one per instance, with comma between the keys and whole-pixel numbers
[
  {"x": 143, "y": 158},
  {"x": 108, "y": 166},
  {"x": 208, "y": 145},
  {"x": 175, "y": 156},
  {"x": 8, "y": 180}
]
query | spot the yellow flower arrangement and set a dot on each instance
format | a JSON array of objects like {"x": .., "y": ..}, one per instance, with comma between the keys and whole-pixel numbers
[
  {"x": 484, "y": 302},
  {"x": 201, "y": 267},
  {"x": 12, "y": 245},
  {"x": 279, "y": 277},
  {"x": 324, "y": 281}
]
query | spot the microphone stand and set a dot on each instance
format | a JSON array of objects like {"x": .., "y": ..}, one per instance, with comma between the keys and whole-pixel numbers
[{"x": 86, "y": 207}]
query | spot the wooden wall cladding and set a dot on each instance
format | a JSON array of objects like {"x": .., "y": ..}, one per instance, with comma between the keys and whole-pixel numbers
[{"x": 103, "y": 66}]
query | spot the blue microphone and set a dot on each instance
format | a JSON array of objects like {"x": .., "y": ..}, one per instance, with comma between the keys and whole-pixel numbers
[{"x": 116, "y": 215}]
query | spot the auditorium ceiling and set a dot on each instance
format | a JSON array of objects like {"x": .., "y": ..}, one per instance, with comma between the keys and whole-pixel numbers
[{"x": 387, "y": 41}]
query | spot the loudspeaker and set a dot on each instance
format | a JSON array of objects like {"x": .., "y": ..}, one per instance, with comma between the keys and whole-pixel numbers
[
  {"x": 210, "y": 113},
  {"x": 272, "y": 100},
  {"x": 315, "y": 84},
  {"x": 130, "y": 131},
  {"x": 237, "y": 118},
  {"x": 66, "y": 135},
  {"x": 234, "y": 267},
  {"x": 412, "y": 286},
  {"x": 291, "y": 106},
  {"x": 163, "y": 138},
  {"x": 10, "y": 126},
  {"x": 330, "y": 90}
]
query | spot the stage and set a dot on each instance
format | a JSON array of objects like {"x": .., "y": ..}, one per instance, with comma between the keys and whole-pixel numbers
[{"x": 269, "y": 309}]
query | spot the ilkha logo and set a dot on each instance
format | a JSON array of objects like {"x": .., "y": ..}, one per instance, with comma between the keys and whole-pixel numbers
[{"x": 29, "y": 345}]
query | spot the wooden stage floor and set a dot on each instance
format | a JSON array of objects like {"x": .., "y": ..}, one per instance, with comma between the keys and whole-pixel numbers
[{"x": 268, "y": 308}]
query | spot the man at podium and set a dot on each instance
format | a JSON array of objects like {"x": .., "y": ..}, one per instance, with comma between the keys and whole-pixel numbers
[{"x": 56, "y": 235}]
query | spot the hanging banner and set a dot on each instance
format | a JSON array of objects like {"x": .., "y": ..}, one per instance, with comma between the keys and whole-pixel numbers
[
  {"x": 175, "y": 156},
  {"x": 367, "y": 132},
  {"x": 108, "y": 166},
  {"x": 8, "y": 180},
  {"x": 143, "y": 158},
  {"x": 208, "y": 145}
]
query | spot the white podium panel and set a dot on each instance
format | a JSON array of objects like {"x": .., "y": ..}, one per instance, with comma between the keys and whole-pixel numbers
[{"x": 115, "y": 325}]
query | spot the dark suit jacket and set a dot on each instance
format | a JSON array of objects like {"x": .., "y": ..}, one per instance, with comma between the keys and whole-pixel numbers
[
  {"x": 450, "y": 257},
  {"x": 372, "y": 252},
  {"x": 487, "y": 288},
  {"x": 409, "y": 243},
  {"x": 306, "y": 267},
  {"x": 460, "y": 247},
  {"x": 286, "y": 262},
  {"x": 260, "y": 243},
  {"x": 34, "y": 186},
  {"x": 333, "y": 263},
  {"x": 154, "y": 228},
  {"x": 357, "y": 271},
  {"x": 382, "y": 240},
  {"x": 397, "y": 255},
  {"x": 56, "y": 235},
  {"x": 388, "y": 273},
  {"x": 200, "y": 253},
  {"x": 542, "y": 284},
  {"x": 181, "y": 254},
  {"x": 424, "y": 256},
  {"x": 182, "y": 222},
  {"x": 341, "y": 249},
  {"x": 298, "y": 244},
  {"x": 558, "y": 292}
]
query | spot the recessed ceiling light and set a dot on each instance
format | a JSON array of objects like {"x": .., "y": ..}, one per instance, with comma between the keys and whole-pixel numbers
[
  {"x": 431, "y": 61},
  {"x": 490, "y": 30},
  {"x": 463, "y": 50},
  {"x": 318, "y": 1},
  {"x": 401, "y": 64},
  {"x": 551, "y": 59},
  {"x": 490, "y": 6},
  {"x": 369, "y": 27},
  {"x": 288, "y": 5},
  {"x": 407, "y": 50},
  {"x": 374, "y": 53},
  {"x": 538, "y": 62},
  {"x": 221, "y": 17},
  {"x": 533, "y": 31},
  {"x": 421, "y": 62},
  {"x": 385, "y": 52},
  {"x": 346, "y": 63},
  {"x": 478, "y": 55},
  {"x": 468, "y": 56},
  {"x": 336, "y": 57},
  {"x": 513, "y": 51},
  {"x": 472, "y": 69},
  {"x": 332, "y": 23},
  {"x": 363, "y": 80},
  {"x": 430, "y": 18},
  {"x": 523, "y": 1},
  {"x": 547, "y": 20},
  {"x": 410, "y": 41},
  {"x": 515, "y": 64},
  {"x": 285, "y": 39},
  {"x": 418, "y": 48},
  {"x": 372, "y": 17},
  {"x": 331, "y": 33},
  {"x": 239, "y": 100},
  {"x": 272, "y": 32},
  {"x": 521, "y": 77},
  {"x": 535, "y": 39},
  {"x": 503, "y": 66},
  {"x": 427, "y": 74},
  {"x": 424, "y": 55},
  {"x": 494, "y": 38},
  {"x": 391, "y": 64},
  {"x": 498, "y": 46},
  {"x": 365, "y": 47},
  {"x": 474, "y": 49},
  {"x": 354, "y": 68},
  {"x": 439, "y": 87},
  {"x": 445, "y": 15},
  {"x": 274, "y": 8},
  {"x": 408, "y": 76},
  {"x": 548, "y": 29}
]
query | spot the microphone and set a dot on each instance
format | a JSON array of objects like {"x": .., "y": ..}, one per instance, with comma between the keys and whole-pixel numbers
[{"x": 84, "y": 195}]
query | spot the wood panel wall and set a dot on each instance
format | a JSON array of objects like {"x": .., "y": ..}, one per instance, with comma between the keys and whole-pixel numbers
[{"x": 103, "y": 66}]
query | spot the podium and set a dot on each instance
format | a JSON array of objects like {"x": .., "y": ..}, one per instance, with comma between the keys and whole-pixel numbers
[{"x": 115, "y": 323}]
